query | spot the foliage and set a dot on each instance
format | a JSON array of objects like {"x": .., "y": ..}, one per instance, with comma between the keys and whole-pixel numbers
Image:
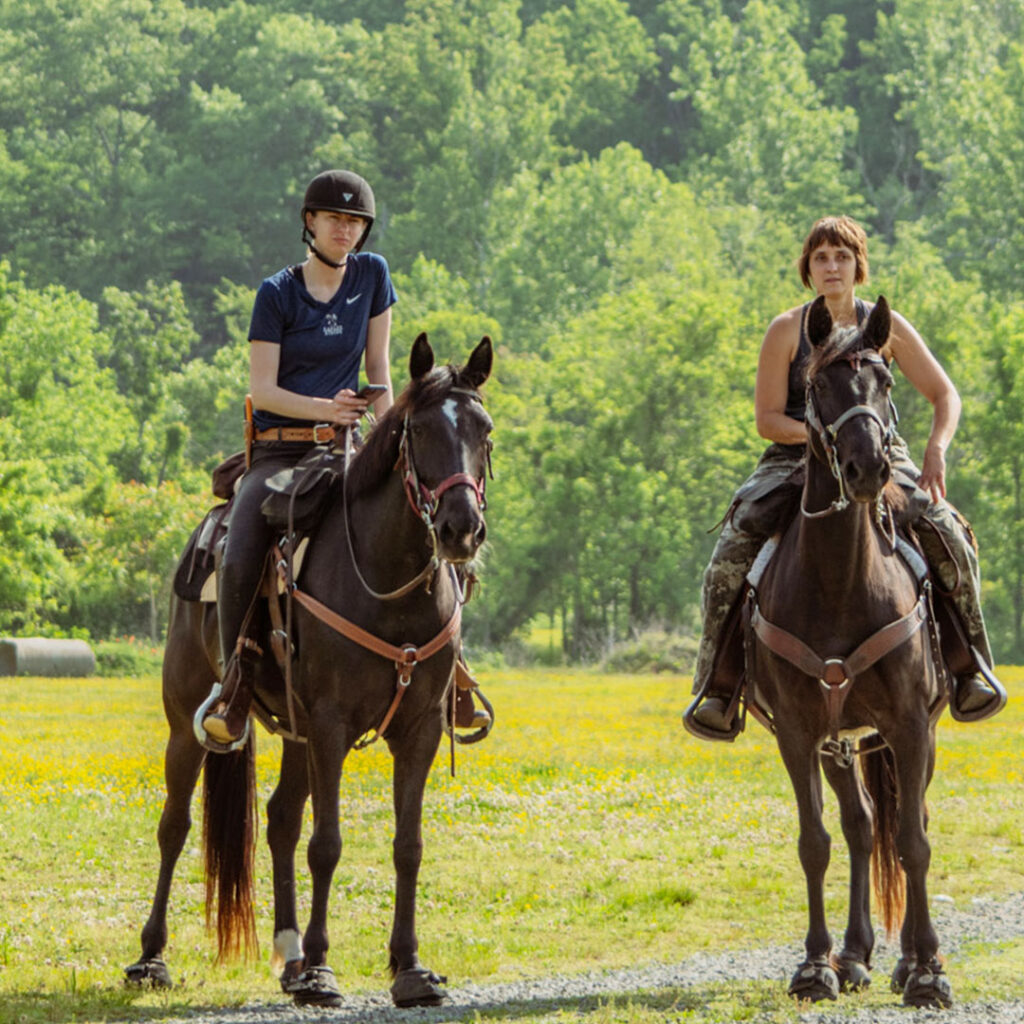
[
  {"x": 127, "y": 659},
  {"x": 614, "y": 190}
]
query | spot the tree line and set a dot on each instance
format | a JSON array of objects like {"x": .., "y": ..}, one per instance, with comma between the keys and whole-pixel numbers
[{"x": 616, "y": 191}]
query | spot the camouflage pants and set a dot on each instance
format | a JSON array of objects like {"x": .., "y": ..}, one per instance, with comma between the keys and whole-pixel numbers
[{"x": 736, "y": 550}]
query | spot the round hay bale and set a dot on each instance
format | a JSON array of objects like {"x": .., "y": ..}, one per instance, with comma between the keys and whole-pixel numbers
[{"x": 41, "y": 656}]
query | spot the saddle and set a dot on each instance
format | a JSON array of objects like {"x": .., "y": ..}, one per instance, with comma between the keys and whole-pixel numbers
[
  {"x": 769, "y": 514},
  {"x": 296, "y": 504}
]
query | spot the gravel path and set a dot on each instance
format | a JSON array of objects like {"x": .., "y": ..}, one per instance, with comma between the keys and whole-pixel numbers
[{"x": 985, "y": 920}]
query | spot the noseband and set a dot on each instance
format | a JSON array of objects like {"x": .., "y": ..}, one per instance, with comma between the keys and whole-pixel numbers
[{"x": 828, "y": 434}]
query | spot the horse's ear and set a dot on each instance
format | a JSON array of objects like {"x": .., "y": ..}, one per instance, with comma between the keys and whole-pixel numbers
[
  {"x": 819, "y": 321},
  {"x": 478, "y": 369},
  {"x": 421, "y": 359},
  {"x": 876, "y": 330}
]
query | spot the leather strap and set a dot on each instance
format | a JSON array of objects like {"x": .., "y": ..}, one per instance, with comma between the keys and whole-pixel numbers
[
  {"x": 322, "y": 433},
  {"x": 836, "y": 674},
  {"x": 406, "y": 658}
]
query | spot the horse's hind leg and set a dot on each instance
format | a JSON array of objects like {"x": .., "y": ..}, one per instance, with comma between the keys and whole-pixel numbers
[
  {"x": 284, "y": 826},
  {"x": 414, "y": 984},
  {"x": 814, "y": 978},
  {"x": 182, "y": 762},
  {"x": 854, "y": 961}
]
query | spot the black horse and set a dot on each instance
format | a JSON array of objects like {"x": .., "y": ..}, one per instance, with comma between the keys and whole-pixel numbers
[
  {"x": 843, "y": 646},
  {"x": 377, "y": 617}
]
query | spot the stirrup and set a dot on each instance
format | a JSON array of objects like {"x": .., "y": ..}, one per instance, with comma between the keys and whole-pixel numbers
[
  {"x": 705, "y": 732},
  {"x": 993, "y": 707},
  {"x": 204, "y": 739}
]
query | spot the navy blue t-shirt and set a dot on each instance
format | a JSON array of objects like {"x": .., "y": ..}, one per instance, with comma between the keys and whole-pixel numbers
[{"x": 322, "y": 343}]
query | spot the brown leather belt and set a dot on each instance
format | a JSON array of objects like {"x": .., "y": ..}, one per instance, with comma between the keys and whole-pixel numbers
[{"x": 322, "y": 433}]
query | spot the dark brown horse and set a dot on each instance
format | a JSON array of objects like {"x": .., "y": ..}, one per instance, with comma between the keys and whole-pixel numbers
[
  {"x": 842, "y": 646},
  {"x": 411, "y": 509}
]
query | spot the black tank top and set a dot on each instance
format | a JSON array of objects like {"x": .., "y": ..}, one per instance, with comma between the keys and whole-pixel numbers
[{"x": 796, "y": 398}]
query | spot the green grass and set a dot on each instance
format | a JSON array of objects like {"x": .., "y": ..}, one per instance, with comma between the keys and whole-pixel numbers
[{"x": 588, "y": 832}]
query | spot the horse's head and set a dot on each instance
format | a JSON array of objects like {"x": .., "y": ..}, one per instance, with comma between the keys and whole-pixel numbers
[
  {"x": 849, "y": 409},
  {"x": 445, "y": 447}
]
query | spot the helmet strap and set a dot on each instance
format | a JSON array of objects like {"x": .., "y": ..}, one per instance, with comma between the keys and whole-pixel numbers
[{"x": 307, "y": 237}]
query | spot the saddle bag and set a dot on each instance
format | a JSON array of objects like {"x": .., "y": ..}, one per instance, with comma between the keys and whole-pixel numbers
[
  {"x": 226, "y": 475},
  {"x": 199, "y": 557},
  {"x": 300, "y": 493}
]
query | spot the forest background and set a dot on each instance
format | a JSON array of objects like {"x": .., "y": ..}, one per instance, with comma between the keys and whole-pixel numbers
[{"x": 615, "y": 190}]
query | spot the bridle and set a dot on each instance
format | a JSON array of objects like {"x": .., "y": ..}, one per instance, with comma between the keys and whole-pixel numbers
[
  {"x": 406, "y": 657},
  {"x": 423, "y": 501},
  {"x": 827, "y": 434}
]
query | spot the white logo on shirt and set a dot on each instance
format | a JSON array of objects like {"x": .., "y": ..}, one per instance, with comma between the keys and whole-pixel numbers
[
  {"x": 331, "y": 325},
  {"x": 355, "y": 298}
]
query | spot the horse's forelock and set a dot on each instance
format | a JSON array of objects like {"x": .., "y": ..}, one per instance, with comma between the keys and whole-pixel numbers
[{"x": 838, "y": 345}]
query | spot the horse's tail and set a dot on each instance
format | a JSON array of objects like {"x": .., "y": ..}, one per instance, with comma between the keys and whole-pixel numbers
[
  {"x": 878, "y": 769},
  {"x": 229, "y": 845}
]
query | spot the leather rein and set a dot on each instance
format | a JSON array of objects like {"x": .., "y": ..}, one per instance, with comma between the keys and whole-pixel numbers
[{"x": 424, "y": 503}]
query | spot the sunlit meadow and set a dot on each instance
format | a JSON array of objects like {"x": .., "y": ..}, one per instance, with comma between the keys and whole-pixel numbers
[{"x": 589, "y": 831}]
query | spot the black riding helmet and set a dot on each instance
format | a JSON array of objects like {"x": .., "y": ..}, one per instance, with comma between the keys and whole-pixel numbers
[{"x": 341, "y": 192}]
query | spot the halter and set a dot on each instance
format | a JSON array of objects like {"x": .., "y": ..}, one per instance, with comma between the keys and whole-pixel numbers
[{"x": 828, "y": 434}]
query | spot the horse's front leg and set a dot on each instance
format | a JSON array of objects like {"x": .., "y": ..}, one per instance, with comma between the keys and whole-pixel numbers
[
  {"x": 924, "y": 982},
  {"x": 414, "y": 984},
  {"x": 284, "y": 826},
  {"x": 328, "y": 744},
  {"x": 854, "y": 961},
  {"x": 814, "y": 978}
]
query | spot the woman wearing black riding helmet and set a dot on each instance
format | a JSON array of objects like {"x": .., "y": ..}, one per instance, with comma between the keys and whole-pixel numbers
[{"x": 312, "y": 325}]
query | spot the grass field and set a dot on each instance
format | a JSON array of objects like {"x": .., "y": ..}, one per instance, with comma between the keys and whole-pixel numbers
[{"x": 588, "y": 832}]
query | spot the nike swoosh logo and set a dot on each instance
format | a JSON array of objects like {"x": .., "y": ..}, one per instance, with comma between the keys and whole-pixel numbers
[{"x": 355, "y": 298}]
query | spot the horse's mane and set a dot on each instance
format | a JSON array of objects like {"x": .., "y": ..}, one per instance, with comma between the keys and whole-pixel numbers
[{"x": 377, "y": 457}]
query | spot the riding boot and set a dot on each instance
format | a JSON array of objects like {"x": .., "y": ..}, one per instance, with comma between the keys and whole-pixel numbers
[
  {"x": 977, "y": 693},
  {"x": 467, "y": 714},
  {"x": 226, "y": 722}
]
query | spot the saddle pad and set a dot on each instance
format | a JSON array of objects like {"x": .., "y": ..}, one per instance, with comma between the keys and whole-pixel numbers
[{"x": 209, "y": 592}]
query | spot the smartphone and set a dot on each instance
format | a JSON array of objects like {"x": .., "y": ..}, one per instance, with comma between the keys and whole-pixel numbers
[{"x": 371, "y": 392}]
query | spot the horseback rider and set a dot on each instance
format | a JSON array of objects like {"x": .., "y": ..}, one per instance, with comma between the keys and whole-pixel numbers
[
  {"x": 833, "y": 262},
  {"x": 312, "y": 325}
]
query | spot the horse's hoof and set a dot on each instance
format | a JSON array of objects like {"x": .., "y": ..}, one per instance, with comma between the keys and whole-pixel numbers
[
  {"x": 314, "y": 986},
  {"x": 418, "y": 986},
  {"x": 900, "y": 973},
  {"x": 290, "y": 973},
  {"x": 814, "y": 980},
  {"x": 928, "y": 987},
  {"x": 148, "y": 973},
  {"x": 854, "y": 975}
]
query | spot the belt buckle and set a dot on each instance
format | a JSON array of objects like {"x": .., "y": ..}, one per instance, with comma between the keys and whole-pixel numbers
[{"x": 317, "y": 427}]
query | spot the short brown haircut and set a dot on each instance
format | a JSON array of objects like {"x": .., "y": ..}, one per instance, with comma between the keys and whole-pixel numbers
[{"x": 835, "y": 231}]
